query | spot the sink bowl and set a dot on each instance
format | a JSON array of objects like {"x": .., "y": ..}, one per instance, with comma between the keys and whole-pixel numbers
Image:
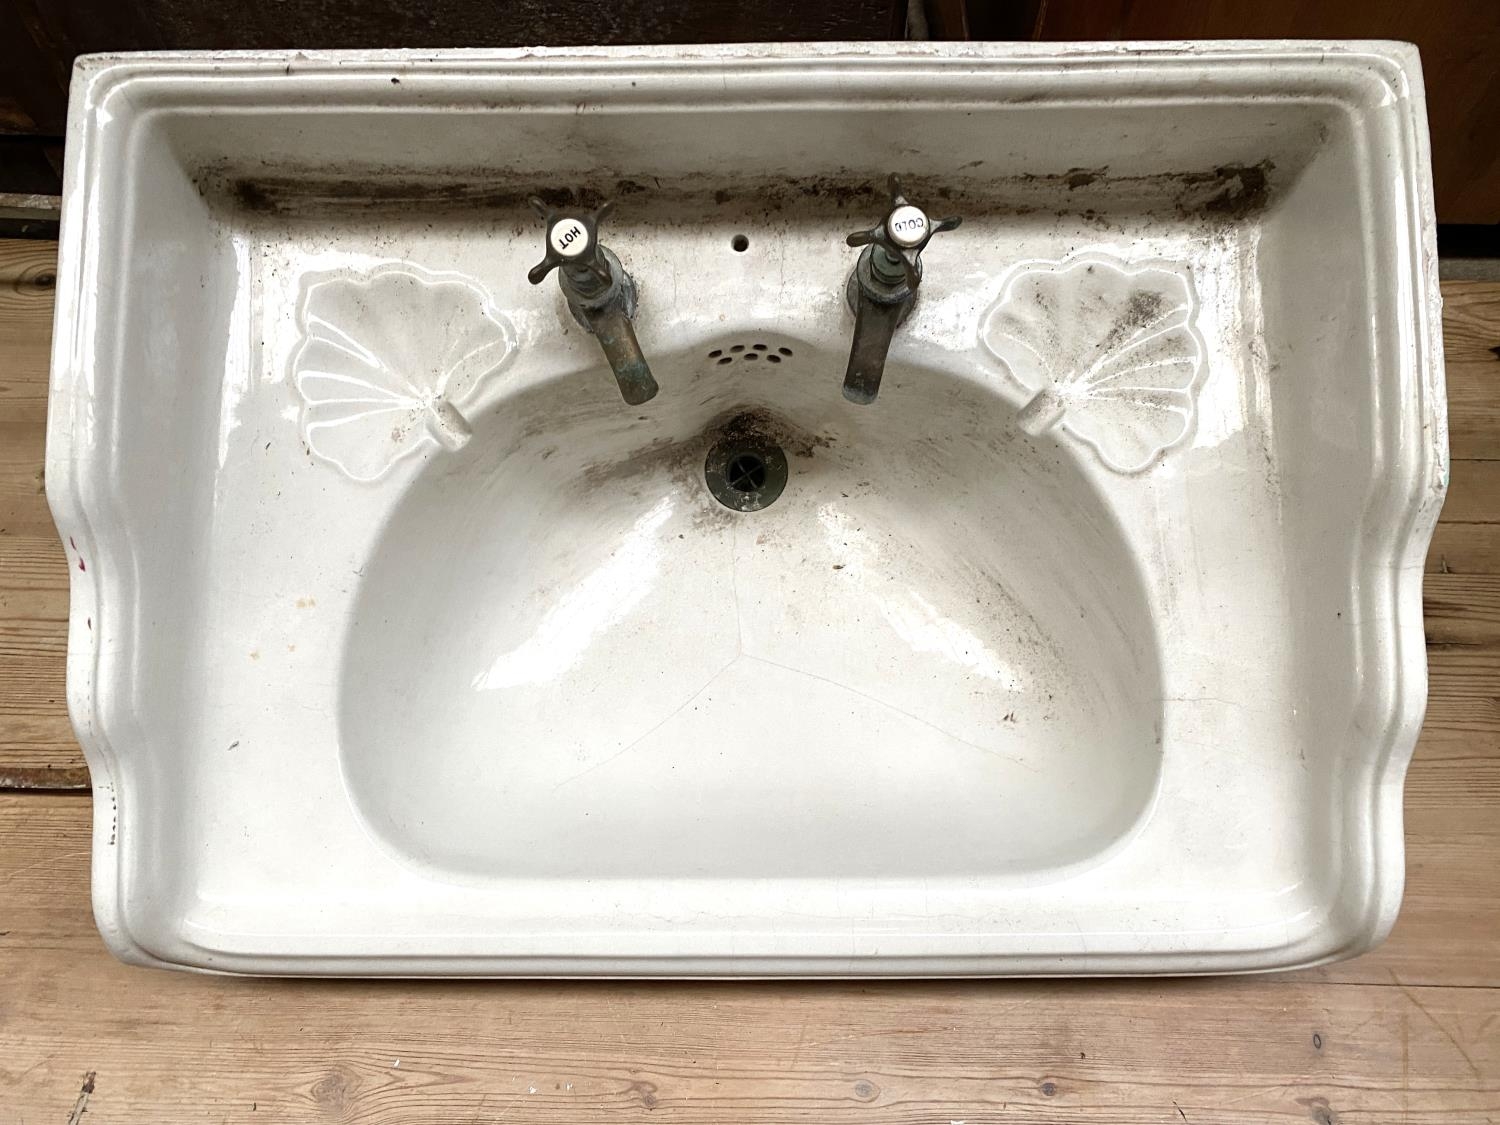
[
  {"x": 898, "y": 668},
  {"x": 399, "y": 644}
]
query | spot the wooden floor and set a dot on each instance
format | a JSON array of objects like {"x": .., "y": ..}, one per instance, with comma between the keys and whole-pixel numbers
[{"x": 1409, "y": 1033}]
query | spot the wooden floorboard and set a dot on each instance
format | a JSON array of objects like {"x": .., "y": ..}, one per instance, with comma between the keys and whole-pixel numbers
[
  {"x": 1471, "y": 330},
  {"x": 1407, "y": 1033},
  {"x": 1465, "y": 548},
  {"x": 169, "y": 1047},
  {"x": 37, "y": 747}
]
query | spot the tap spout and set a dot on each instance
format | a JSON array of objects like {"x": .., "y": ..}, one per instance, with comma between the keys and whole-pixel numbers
[
  {"x": 875, "y": 325},
  {"x": 616, "y": 334},
  {"x": 604, "y": 303}
]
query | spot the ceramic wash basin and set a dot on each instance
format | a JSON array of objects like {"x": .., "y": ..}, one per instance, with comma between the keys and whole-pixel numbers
[{"x": 399, "y": 644}]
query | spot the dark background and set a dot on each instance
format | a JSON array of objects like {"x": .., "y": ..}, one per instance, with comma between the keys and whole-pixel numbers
[{"x": 1459, "y": 39}]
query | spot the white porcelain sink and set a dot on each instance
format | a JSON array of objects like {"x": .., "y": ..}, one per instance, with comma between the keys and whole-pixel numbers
[{"x": 401, "y": 645}]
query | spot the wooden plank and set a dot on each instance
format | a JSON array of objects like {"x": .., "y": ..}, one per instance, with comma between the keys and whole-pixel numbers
[
  {"x": 1473, "y": 493},
  {"x": 1463, "y": 692},
  {"x": 28, "y": 278},
  {"x": 1465, "y": 548},
  {"x": 1471, "y": 330},
  {"x": 165, "y": 1047},
  {"x": 1448, "y": 931},
  {"x": 37, "y": 748},
  {"x": 1461, "y": 609}
]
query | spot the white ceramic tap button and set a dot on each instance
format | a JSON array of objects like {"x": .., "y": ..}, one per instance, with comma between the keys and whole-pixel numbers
[
  {"x": 568, "y": 237},
  {"x": 907, "y": 225}
]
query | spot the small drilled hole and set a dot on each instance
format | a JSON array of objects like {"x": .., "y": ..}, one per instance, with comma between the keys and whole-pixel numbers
[
  {"x": 740, "y": 243},
  {"x": 752, "y": 355},
  {"x": 758, "y": 347},
  {"x": 746, "y": 472},
  {"x": 773, "y": 359},
  {"x": 785, "y": 351},
  {"x": 737, "y": 348},
  {"x": 725, "y": 359},
  {"x": 716, "y": 353}
]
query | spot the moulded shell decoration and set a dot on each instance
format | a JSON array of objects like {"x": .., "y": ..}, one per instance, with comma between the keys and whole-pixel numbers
[
  {"x": 1109, "y": 352},
  {"x": 387, "y": 358}
]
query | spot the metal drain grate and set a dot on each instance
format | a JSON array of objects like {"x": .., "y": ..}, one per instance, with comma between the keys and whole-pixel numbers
[{"x": 745, "y": 474}]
